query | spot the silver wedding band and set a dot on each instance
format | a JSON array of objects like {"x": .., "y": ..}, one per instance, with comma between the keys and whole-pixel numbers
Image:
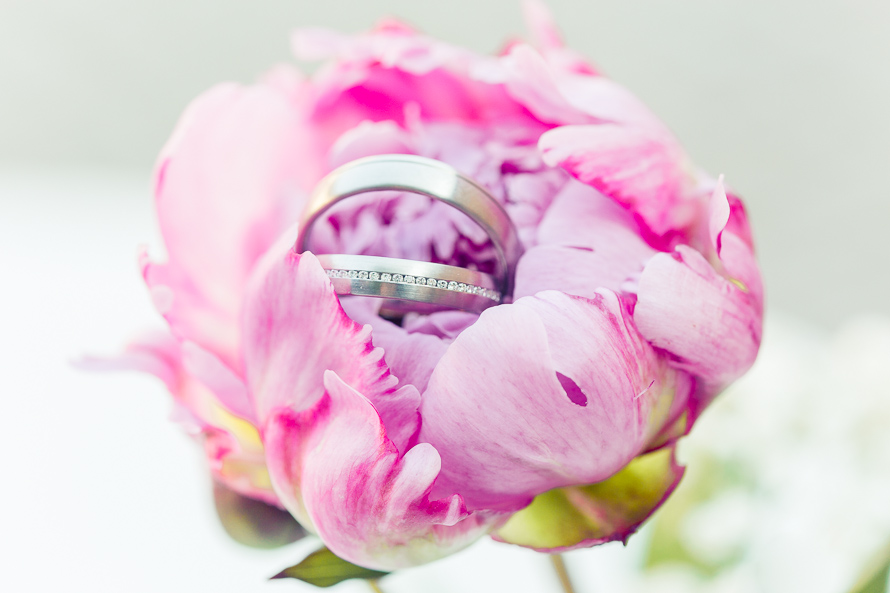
[{"x": 411, "y": 284}]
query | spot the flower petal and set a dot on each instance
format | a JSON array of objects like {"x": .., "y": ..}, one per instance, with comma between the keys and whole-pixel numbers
[
  {"x": 515, "y": 407},
  {"x": 584, "y": 516},
  {"x": 528, "y": 78},
  {"x": 230, "y": 164},
  {"x": 295, "y": 330},
  {"x": 368, "y": 503},
  {"x": 709, "y": 324},
  {"x": 586, "y": 242},
  {"x": 731, "y": 239},
  {"x": 639, "y": 167},
  {"x": 210, "y": 403}
]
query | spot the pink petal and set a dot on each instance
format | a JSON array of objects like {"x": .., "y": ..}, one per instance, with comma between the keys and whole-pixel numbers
[
  {"x": 586, "y": 242},
  {"x": 710, "y": 325},
  {"x": 539, "y": 21},
  {"x": 546, "y": 37},
  {"x": 531, "y": 82},
  {"x": 718, "y": 214},
  {"x": 368, "y": 503},
  {"x": 640, "y": 168},
  {"x": 230, "y": 165},
  {"x": 295, "y": 330},
  {"x": 229, "y": 388},
  {"x": 573, "y": 270},
  {"x": 607, "y": 101},
  {"x": 367, "y": 139},
  {"x": 515, "y": 407},
  {"x": 731, "y": 239},
  {"x": 379, "y": 75},
  {"x": 211, "y": 403}
]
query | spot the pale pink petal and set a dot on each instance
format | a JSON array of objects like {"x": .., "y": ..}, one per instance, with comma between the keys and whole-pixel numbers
[
  {"x": 709, "y": 324},
  {"x": 731, "y": 239},
  {"x": 585, "y": 242},
  {"x": 516, "y": 407},
  {"x": 210, "y": 404},
  {"x": 640, "y": 169},
  {"x": 231, "y": 165},
  {"x": 579, "y": 271},
  {"x": 411, "y": 356},
  {"x": 295, "y": 330},
  {"x": 228, "y": 387},
  {"x": 530, "y": 81},
  {"x": 539, "y": 21},
  {"x": 367, "y": 139},
  {"x": 718, "y": 215},
  {"x": 607, "y": 101},
  {"x": 369, "y": 503}
]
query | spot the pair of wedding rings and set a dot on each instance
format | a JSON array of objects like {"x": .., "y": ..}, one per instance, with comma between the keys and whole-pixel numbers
[{"x": 411, "y": 285}]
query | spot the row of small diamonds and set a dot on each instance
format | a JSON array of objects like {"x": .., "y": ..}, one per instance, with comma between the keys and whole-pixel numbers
[{"x": 419, "y": 280}]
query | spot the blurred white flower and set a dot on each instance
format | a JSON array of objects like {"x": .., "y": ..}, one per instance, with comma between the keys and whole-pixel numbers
[{"x": 788, "y": 486}]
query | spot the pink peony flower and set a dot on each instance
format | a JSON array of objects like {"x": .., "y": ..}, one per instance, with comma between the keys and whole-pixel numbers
[{"x": 549, "y": 421}]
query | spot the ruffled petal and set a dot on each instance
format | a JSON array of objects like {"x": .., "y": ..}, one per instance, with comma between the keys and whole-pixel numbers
[
  {"x": 295, "y": 330},
  {"x": 230, "y": 164},
  {"x": 584, "y": 516},
  {"x": 410, "y": 355},
  {"x": 390, "y": 73},
  {"x": 639, "y": 167},
  {"x": 710, "y": 325},
  {"x": 516, "y": 407},
  {"x": 368, "y": 502}
]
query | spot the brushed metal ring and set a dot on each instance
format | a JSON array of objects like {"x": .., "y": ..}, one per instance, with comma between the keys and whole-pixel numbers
[{"x": 425, "y": 176}]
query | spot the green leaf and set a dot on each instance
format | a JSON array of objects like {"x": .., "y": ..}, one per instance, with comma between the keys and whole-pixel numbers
[
  {"x": 253, "y": 522},
  {"x": 323, "y": 568},
  {"x": 874, "y": 579},
  {"x": 606, "y": 511}
]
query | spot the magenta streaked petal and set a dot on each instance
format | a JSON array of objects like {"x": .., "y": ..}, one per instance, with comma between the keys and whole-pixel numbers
[
  {"x": 529, "y": 79},
  {"x": 641, "y": 168},
  {"x": 731, "y": 239},
  {"x": 295, "y": 330},
  {"x": 709, "y": 324},
  {"x": 378, "y": 512},
  {"x": 500, "y": 391}
]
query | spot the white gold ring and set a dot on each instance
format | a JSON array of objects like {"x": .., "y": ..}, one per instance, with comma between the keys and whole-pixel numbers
[{"x": 411, "y": 284}]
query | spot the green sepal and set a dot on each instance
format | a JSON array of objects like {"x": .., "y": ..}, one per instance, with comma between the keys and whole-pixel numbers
[
  {"x": 252, "y": 522},
  {"x": 610, "y": 510},
  {"x": 323, "y": 568}
]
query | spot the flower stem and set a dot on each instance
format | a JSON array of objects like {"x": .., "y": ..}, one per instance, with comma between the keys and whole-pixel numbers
[
  {"x": 559, "y": 564},
  {"x": 375, "y": 585}
]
